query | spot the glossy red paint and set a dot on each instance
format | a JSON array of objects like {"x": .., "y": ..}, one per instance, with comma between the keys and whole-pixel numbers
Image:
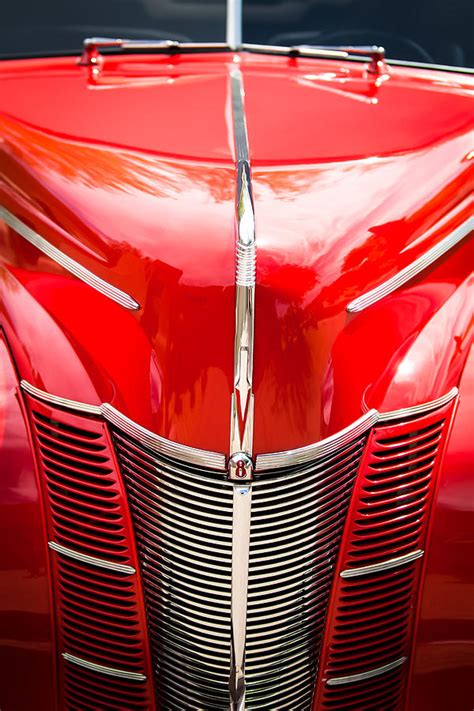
[
  {"x": 132, "y": 174},
  {"x": 27, "y": 659},
  {"x": 144, "y": 198}
]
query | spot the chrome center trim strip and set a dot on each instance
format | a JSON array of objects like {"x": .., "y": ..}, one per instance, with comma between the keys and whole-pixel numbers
[
  {"x": 413, "y": 269},
  {"x": 110, "y": 671},
  {"x": 278, "y": 460},
  {"x": 242, "y": 403},
  {"x": 338, "y": 681},
  {"x": 419, "y": 409},
  {"x": 182, "y": 452},
  {"x": 99, "y": 562},
  {"x": 68, "y": 263},
  {"x": 385, "y": 565}
]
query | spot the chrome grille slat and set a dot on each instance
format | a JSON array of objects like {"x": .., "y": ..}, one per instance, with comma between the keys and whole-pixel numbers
[{"x": 183, "y": 524}]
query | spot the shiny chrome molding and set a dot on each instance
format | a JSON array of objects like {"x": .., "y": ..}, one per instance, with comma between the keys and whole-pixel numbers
[
  {"x": 416, "y": 410},
  {"x": 240, "y": 470},
  {"x": 98, "y": 562},
  {"x": 413, "y": 269},
  {"x": 110, "y": 671},
  {"x": 166, "y": 447},
  {"x": 303, "y": 455},
  {"x": 191, "y": 455},
  {"x": 385, "y": 565},
  {"x": 59, "y": 401},
  {"x": 92, "y": 45},
  {"x": 279, "y": 460},
  {"x": 234, "y": 24},
  {"x": 339, "y": 680},
  {"x": 70, "y": 265}
]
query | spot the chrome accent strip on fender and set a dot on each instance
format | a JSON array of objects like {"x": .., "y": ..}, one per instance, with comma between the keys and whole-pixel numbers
[
  {"x": 68, "y": 263},
  {"x": 110, "y": 671},
  {"x": 278, "y": 460},
  {"x": 59, "y": 401},
  {"x": 339, "y": 680},
  {"x": 413, "y": 269},
  {"x": 182, "y": 452},
  {"x": 240, "y": 469},
  {"x": 419, "y": 409},
  {"x": 234, "y": 24},
  {"x": 166, "y": 447},
  {"x": 385, "y": 565},
  {"x": 98, "y": 562}
]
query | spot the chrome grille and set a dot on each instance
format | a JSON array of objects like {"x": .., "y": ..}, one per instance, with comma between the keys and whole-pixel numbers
[{"x": 183, "y": 523}]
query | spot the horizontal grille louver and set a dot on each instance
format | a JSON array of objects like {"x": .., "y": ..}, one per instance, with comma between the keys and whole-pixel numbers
[
  {"x": 100, "y": 621},
  {"x": 183, "y": 524},
  {"x": 369, "y": 631}
]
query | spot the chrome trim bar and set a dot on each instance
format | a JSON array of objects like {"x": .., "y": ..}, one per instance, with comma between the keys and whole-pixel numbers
[
  {"x": 419, "y": 409},
  {"x": 99, "y": 562},
  {"x": 303, "y": 455},
  {"x": 413, "y": 269},
  {"x": 240, "y": 470},
  {"x": 375, "y": 53},
  {"x": 110, "y": 671},
  {"x": 234, "y": 24},
  {"x": 166, "y": 447},
  {"x": 92, "y": 46},
  {"x": 339, "y": 680},
  {"x": 68, "y": 263},
  {"x": 60, "y": 401},
  {"x": 385, "y": 565}
]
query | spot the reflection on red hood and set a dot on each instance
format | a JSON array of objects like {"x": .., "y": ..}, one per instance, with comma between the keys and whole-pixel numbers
[{"x": 132, "y": 174}]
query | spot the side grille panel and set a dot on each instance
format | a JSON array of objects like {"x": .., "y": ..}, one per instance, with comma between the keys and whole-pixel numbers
[
  {"x": 370, "y": 625},
  {"x": 100, "y": 619},
  {"x": 183, "y": 524}
]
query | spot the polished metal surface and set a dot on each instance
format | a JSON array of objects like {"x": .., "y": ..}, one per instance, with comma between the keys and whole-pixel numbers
[
  {"x": 234, "y": 23},
  {"x": 285, "y": 458},
  {"x": 182, "y": 452},
  {"x": 417, "y": 410},
  {"x": 413, "y": 269},
  {"x": 375, "y": 53},
  {"x": 99, "y": 562},
  {"x": 242, "y": 404},
  {"x": 101, "y": 669},
  {"x": 66, "y": 262},
  {"x": 292, "y": 457},
  {"x": 385, "y": 565},
  {"x": 92, "y": 46},
  {"x": 182, "y": 517},
  {"x": 59, "y": 401},
  {"x": 214, "y": 460},
  {"x": 338, "y": 681},
  {"x": 212, "y": 601}
]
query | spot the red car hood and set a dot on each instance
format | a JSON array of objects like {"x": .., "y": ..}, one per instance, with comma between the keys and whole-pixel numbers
[{"x": 132, "y": 174}]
